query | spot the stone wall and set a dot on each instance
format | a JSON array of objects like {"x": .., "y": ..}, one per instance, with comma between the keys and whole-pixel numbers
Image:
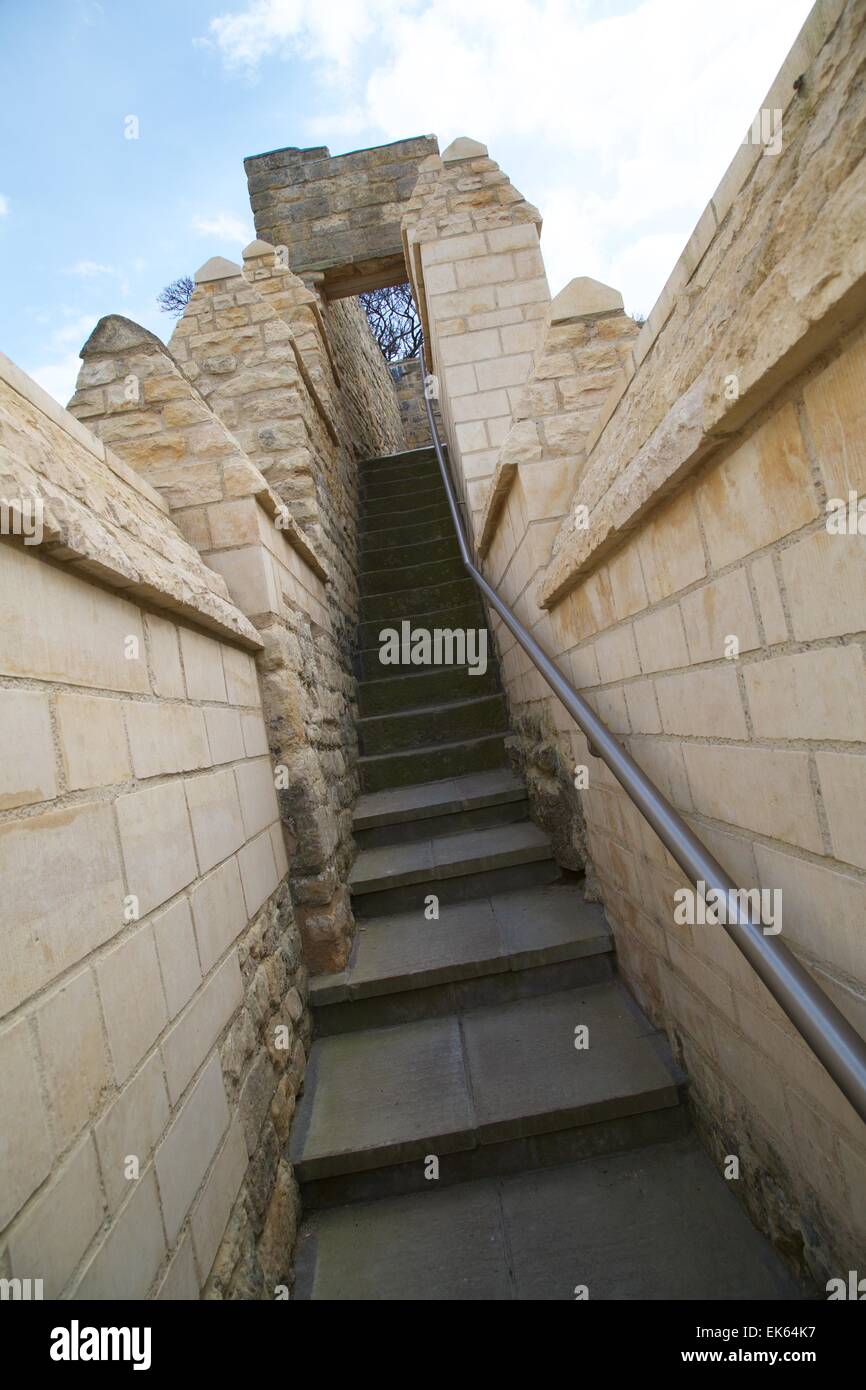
[
  {"x": 153, "y": 1020},
  {"x": 223, "y": 503},
  {"x": 407, "y": 378},
  {"x": 479, "y": 280},
  {"x": 698, "y": 593},
  {"x": 338, "y": 214}
]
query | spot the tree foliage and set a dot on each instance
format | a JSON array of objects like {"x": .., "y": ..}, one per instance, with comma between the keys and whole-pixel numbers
[
  {"x": 394, "y": 320},
  {"x": 175, "y": 297}
]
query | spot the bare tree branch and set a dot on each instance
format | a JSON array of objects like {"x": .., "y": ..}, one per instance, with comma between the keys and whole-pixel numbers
[
  {"x": 175, "y": 297},
  {"x": 394, "y": 320}
]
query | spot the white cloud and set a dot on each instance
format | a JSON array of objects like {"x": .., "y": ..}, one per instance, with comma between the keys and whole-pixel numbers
[
  {"x": 59, "y": 373},
  {"x": 90, "y": 269},
  {"x": 619, "y": 125},
  {"x": 224, "y": 227},
  {"x": 59, "y": 378},
  {"x": 4, "y": 206},
  {"x": 327, "y": 32}
]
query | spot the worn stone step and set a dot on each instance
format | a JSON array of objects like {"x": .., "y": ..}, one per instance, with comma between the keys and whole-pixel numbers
[
  {"x": 408, "y": 500},
  {"x": 387, "y": 1098},
  {"x": 400, "y": 480},
  {"x": 469, "y": 614},
  {"x": 463, "y": 888},
  {"x": 403, "y": 556},
  {"x": 412, "y": 603},
  {"x": 388, "y": 733},
  {"x": 493, "y": 950},
  {"x": 657, "y": 1224},
  {"x": 422, "y": 534},
  {"x": 391, "y": 523},
  {"x": 448, "y": 856},
  {"x": 427, "y": 800},
  {"x": 431, "y": 763},
  {"x": 411, "y": 689},
  {"x": 435, "y": 569},
  {"x": 440, "y": 814},
  {"x": 400, "y": 557},
  {"x": 405, "y": 458},
  {"x": 451, "y": 823}
]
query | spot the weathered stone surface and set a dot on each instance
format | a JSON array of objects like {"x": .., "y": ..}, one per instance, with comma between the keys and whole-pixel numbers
[{"x": 338, "y": 215}]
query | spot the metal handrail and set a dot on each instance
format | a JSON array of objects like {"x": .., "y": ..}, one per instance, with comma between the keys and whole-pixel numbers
[{"x": 824, "y": 1028}]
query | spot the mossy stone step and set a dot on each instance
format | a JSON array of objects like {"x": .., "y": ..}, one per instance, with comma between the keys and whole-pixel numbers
[
  {"x": 379, "y": 542},
  {"x": 387, "y": 733},
  {"x": 411, "y": 603},
  {"x": 384, "y": 770},
  {"x": 428, "y": 686},
  {"x": 458, "y": 616},
  {"x": 402, "y": 499},
  {"x": 420, "y": 574}
]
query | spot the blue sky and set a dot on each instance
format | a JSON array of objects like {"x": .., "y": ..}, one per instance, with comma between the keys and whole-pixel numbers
[{"x": 616, "y": 117}]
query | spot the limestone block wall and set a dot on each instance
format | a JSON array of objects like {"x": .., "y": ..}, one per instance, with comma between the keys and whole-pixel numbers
[
  {"x": 705, "y": 597},
  {"x": 371, "y": 412},
  {"x": 248, "y": 536},
  {"x": 153, "y": 1021},
  {"x": 580, "y": 358},
  {"x": 409, "y": 382},
  {"x": 338, "y": 214},
  {"x": 476, "y": 268}
]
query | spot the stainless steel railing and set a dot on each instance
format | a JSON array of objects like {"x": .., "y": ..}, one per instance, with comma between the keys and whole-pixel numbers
[{"x": 828, "y": 1033}]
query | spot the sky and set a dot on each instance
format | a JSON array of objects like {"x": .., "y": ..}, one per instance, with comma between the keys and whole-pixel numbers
[{"x": 125, "y": 123}]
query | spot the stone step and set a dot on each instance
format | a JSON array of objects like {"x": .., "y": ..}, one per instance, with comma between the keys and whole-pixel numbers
[
  {"x": 376, "y": 1103},
  {"x": 431, "y": 799},
  {"x": 432, "y": 763},
  {"x": 450, "y": 823},
  {"x": 460, "y": 615},
  {"x": 408, "y": 500},
  {"x": 422, "y": 573},
  {"x": 399, "y": 557},
  {"x": 448, "y": 856},
  {"x": 400, "y": 480},
  {"x": 390, "y": 523},
  {"x": 439, "y": 808},
  {"x": 424, "y": 474},
  {"x": 421, "y": 534},
  {"x": 404, "y": 459},
  {"x": 490, "y": 951},
  {"x": 412, "y": 688},
  {"x": 412, "y": 603},
  {"x": 656, "y": 1224},
  {"x": 389, "y": 733}
]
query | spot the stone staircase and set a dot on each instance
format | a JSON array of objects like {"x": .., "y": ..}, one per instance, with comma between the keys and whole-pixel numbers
[{"x": 450, "y": 1042}]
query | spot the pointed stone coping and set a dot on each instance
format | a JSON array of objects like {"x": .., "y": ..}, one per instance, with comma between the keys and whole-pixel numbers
[
  {"x": 446, "y": 1085},
  {"x": 507, "y": 931},
  {"x": 448, "y": 856},
  {"x": 658, "y": 1222},
  {"x": 114, "y": 334},
  {"x": 585, "y": 298},
  {"x": 257, "y": 248},
  {"x": 217, "y": 268},
  {"x": 464, "y": 148}
]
